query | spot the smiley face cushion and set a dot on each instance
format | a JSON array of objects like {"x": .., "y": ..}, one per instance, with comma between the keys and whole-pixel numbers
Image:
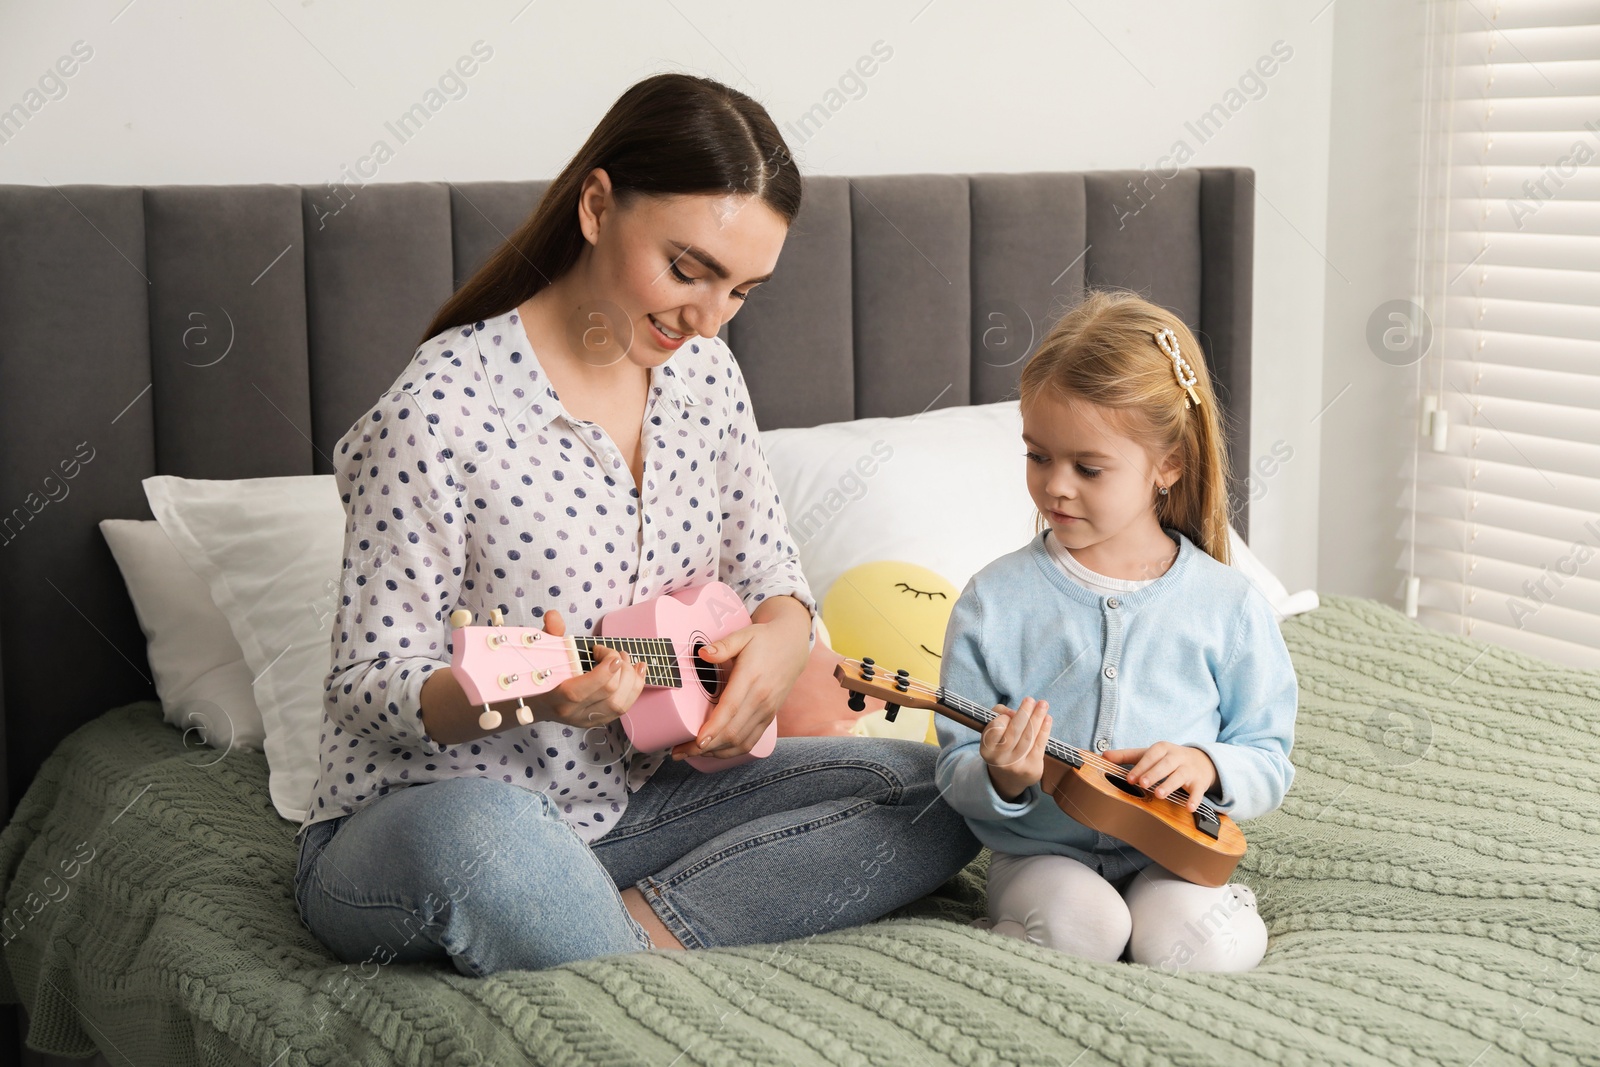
[{"x": 896, "y": 613}]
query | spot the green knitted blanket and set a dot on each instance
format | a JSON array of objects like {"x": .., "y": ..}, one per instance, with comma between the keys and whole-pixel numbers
[{"x": 1430, "y": 885}]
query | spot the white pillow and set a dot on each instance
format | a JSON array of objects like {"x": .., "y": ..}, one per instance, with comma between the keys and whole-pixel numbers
[
  {"x": 1284, "y": 603},
  {"x": 270, "y": 550},
  {"x": 944, "y": 489},
  {"x": 200, "y": 672}
]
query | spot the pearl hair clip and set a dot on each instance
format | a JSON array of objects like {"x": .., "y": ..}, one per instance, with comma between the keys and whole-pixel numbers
[{"x": 1167, "y": 341}]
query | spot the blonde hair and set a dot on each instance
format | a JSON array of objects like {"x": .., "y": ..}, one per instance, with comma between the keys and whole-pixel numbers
[{"x": 1104, "y": 352}]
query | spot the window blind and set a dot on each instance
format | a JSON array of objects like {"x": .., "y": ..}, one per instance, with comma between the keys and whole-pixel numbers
[{"x": 1500, "y": 524}]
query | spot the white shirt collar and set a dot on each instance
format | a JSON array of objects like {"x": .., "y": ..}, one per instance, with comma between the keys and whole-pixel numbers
[
  {"x": 1093, "y": 579},
  {"x": 511, "y": 365}
]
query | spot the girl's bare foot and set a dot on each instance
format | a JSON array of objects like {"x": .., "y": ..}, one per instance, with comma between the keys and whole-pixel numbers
[{"x": 660, "y": 936}]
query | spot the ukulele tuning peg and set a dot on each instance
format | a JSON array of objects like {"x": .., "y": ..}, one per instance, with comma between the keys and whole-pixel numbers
[
  {"x": 497, "y": 617},
  {"x": 858, "y": 701},
  {"x": 490, "y": 719},
  {"x": 890, "y": 711},
  {"x": 524, "y": 713},
  {"x": 460, "y": 617}
]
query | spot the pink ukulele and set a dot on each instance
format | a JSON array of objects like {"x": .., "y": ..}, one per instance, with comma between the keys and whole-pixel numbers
[{"x": 498, "y": 662}]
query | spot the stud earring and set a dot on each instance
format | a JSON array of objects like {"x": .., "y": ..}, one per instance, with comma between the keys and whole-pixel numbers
[{"x": 1163, "y": 489}]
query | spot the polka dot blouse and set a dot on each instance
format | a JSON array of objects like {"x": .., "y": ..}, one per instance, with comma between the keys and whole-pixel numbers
[{"x": 469, "y": 485}]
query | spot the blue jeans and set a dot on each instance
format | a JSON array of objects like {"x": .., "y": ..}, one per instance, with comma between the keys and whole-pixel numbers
[{"x": 825, "y": 833}]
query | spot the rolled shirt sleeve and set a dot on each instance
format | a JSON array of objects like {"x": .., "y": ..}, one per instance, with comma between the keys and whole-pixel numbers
[
  {"x": 404, "y": 548},
  {"x": 758, "y": 557}
]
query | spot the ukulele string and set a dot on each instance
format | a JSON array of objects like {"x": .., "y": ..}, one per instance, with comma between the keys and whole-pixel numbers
[
  {"x": 1105, "y": 766},
  {"x": 1110, "y": 769},
  {"x": 646, "y": 650},
  {"x": 962, "y": 704}
]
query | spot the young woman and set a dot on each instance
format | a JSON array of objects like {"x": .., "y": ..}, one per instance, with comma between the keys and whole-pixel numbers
[{"x": 570, "y": 438}]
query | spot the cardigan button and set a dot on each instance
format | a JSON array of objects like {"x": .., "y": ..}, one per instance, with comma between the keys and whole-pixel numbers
[
  {"x": 1102, "y": 745},
  {"x": 1113, "y": 602},
  {"x": 1110, "y": 671}
]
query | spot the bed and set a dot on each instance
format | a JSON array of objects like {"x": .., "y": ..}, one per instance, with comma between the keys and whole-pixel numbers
[{"x": 1430, "y": 883}]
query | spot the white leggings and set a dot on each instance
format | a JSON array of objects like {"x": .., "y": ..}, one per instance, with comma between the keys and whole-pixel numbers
[{"x": 1160, "y": 919}]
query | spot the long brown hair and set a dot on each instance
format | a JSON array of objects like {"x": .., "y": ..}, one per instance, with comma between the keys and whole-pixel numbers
[
  {"x": 1104, "y": 352},
  {"x": 670, "y": 133}
]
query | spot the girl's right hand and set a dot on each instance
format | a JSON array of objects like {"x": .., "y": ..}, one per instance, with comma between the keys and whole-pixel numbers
[
  {"x": 1013, "y": 746},
  {"x": 593, "y": 698}
]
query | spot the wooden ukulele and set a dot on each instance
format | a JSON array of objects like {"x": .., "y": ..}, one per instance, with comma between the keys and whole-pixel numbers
[
  {"x": 498, "y": 662},
  {"x": 1203, "y": 846}
]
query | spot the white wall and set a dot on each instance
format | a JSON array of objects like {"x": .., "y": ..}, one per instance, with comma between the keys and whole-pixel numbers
[
  {"x": 1369, "y": 430},
  {"x": 296, "y": 90}
]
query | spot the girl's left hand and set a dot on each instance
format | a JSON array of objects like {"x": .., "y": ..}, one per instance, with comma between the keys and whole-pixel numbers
[
  {"x": 1173, "y": 766},
  {"x": 767, "y": 659}
]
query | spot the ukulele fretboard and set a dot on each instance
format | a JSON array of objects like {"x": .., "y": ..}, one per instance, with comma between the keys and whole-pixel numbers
[
  {"x": 984, "y": 716},
  {"x": 656, "y": 653},
  {"x": 1205, "y": 817}
]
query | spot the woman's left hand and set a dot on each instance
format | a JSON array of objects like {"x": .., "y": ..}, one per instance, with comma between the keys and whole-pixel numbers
[
  {"x": 767, "y": 658},
  {"x": 1165, "y": 767}
]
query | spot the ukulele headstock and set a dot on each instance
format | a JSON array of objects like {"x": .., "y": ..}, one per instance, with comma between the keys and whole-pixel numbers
[
  {"x": 897, "y": 689},
  {"x": 499, "y": 662}
]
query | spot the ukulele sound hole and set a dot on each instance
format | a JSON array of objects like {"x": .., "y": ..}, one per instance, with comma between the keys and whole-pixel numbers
[
  {"x": 1126, "y": 786},
  {"x": 710, "y": 679}
]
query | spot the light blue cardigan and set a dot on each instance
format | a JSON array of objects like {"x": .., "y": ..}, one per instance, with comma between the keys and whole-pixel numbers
[{"x": 1195, "y": 657}]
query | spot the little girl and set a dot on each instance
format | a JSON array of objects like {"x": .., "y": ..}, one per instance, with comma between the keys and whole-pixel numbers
[{"x": 1125, "y": 616}]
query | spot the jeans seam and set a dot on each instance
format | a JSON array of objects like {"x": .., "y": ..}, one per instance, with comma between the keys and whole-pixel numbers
[
  {"x": 397, "y": 901},
  {"x": 403, "y": 902},
  {"x": 640, "y": 934},
  {"x": 740, "y": 847},
  {"x": 432, "y": 929},
  {"x": 457, "y": 952},
  {"x": 897, "y": 788},
  {"x": 655, "y": 889},
  {"x": 429, "y": 926},
  {"x": 668, "y": 914},
  {"x": 303, "y": 867}
]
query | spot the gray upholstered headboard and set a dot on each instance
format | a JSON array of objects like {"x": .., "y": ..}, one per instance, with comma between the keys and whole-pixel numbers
[{"x": 893, "y": 293}]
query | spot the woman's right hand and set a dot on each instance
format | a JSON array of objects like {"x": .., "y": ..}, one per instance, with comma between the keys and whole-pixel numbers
[
  {"x": 1013, "y": 746},
  {"x": 593, "y": 698}
]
